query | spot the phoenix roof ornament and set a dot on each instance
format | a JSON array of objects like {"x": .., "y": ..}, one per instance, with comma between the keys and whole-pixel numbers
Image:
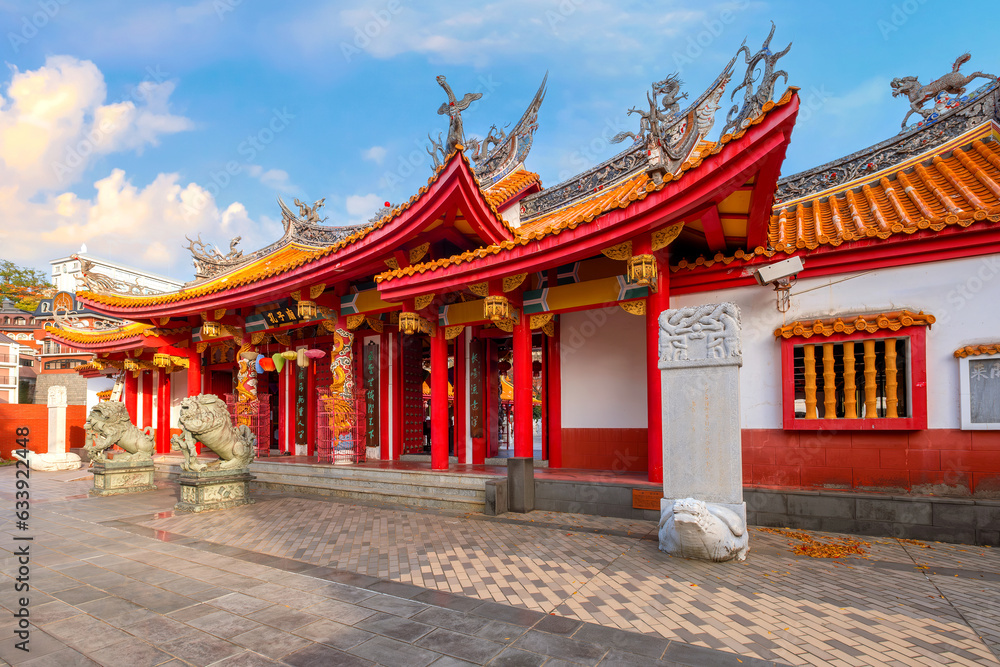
[
  {"x": 453, "y": 108},
  {"x": 753, "y": 102},
  {"x": 953, "y": 83}
]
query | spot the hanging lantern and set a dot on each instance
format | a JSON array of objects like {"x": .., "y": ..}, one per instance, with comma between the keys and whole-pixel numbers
[
  {"x": 497, "y": 308},
  {"x": 289, "y": 354},
  {"x": 409, "y": 323},
  {"x": 503, "y": 366},
  {"x": 161, "y": 360},
  {"x": 642, "y": 270},
  {"x": 210, "y": 329},
  {"x": 131, "y": 365},
  {"x": 307, "y": 310},
  {"x": 536, "y": 368}
]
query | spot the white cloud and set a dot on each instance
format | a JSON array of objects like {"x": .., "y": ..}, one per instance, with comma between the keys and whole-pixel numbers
[
  {"x": 362, "y": 206},
  {"x": 374, "y": 154},
  {"x": 53, "y": 121},
  {"x": 277, "y": 179}
]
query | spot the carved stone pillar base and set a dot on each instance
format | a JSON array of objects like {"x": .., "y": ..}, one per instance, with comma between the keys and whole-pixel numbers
[
  {"x": 114, "y": 478},
  {"x": 692, "y": 528},
  {"x": 214, "y": 490}
]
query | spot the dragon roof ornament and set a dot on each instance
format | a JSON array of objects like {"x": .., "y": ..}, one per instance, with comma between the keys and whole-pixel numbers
[
  {"x": 667, "y": 136},
  {"x": 100, "y": 283},
  {"x": 754, "y": 101},
  {"x": 952, "y": 83},
  {"x": 501, "y": 152}
]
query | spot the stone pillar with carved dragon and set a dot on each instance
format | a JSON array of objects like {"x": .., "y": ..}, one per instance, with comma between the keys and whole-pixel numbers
[{"x": 702, "y": 514}]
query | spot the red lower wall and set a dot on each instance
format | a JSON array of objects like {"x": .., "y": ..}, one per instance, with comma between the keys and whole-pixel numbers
[
  {"x": 36, "y": 419},
  {"x": 615, "y": 449},
  {"x": 936, "y": 461}
]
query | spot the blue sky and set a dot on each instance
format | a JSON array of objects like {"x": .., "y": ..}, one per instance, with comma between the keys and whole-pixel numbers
[{"x": 119, "y": 120}]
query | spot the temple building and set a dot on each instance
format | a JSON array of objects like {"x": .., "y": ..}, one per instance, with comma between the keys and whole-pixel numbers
[{"x": 871, "y": 360}]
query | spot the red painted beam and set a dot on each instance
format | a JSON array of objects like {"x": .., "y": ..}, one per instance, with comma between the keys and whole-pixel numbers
[{"x": 714, "y": 236}]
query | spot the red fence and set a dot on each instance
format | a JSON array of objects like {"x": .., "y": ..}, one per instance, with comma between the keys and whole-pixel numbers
[{"x": 36, "y": 419}]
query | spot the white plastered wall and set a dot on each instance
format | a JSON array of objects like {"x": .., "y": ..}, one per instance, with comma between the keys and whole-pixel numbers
[
  {"x": 603, "y": 364},
  {"x": 962, "y": 294}
]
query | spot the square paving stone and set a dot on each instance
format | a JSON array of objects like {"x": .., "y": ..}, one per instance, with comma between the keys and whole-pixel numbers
[
  {"x": 557, "y": 625},
  {"x": 393, "y": 605},
  {"x": 448, "y": 600},
  {"x": 561, "y": 647},
  {"x": 396, "y": 588},
  {"x": 511, "y": 657},
  {"x": 335, "y": 634},
  {"x": 238, "y": 603},
  {"x": 39, "y": 644},
  {"x": 225, "y": 625},
  {"x": 246, "y": 659},
  {"x": 616, "y": 658},
  {"x": 340, "y": 611},
  {"x": 79, "y": 594},
  {"x": 319, "y": 655},
  {"x": 283, "y": 618},
  {"x": 129, "y": 653},
  {"x": 455, "y": 644},
  {"x": 51, "y": 612},
  {"x": 390, "y": 652},
  {"x": 64, "y": 658},
  {"x": 448, "y": 661},
  {"x": 159, "y": 629},
  {"x": 395, "y": 627},
  {"x": 697, "y": 655},
  {"x": 343, "y": 592},
  {"x": 271, "y": 642},
  {"x": 631, "y": 642},
  {"x": 512, "y": 615},
  {"x": 86, "y": 633},
  {"x": 453, "y": 620},
  {"x": 499, "y": 631},
  {"x": 114, "y": 610},
  {"x": 201, "y": 648}
]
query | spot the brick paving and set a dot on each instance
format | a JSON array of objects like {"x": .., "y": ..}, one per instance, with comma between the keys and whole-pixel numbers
[{"x": 305, "y": 581}]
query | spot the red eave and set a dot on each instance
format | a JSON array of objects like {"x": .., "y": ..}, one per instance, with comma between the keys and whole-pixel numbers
[
  {"x": 454, "y": 187},
  {"x": 716, "y": 176}
]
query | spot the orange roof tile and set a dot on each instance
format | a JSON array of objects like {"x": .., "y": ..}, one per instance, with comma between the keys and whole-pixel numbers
[
  {"x": 93, "y": 337},
  {"x": 977, "y": 350},
  {"x": 510, "y": 186},
  {"x": 619, "y": 195},
  {"x": 931, "y": 193},
  {"x": 871, "y": 323}
]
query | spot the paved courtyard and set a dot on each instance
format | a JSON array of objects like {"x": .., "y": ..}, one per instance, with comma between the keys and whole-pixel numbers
[{"x": 313, "y": 581}]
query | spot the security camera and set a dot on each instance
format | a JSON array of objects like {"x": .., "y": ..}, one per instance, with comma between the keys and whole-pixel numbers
[{"x": 772, "y": 273}]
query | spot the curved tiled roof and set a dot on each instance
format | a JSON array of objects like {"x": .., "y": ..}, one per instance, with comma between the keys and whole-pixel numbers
[
  {"x": 510, "y": 186},
  {"x": 92, "y": 337},
  {"x": 619, "y": 195},
  {"x": 977, "y": 350},
  {"x": 936, "y": 192},
  {"x": 870, "y": 323}
]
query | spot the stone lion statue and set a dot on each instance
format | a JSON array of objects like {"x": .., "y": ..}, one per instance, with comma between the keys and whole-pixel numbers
[
  {"x": 108, "y": 424},
  {"x": 696, "y": 529},
  {"x": 205, "y": 419}
]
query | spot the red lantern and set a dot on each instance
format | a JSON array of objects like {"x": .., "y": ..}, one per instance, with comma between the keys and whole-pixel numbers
[
  {"x": 503, "y": 366},
  {"x": 536, "y": 368}
]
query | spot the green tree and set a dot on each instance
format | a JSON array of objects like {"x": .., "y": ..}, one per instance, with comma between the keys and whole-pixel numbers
[{"x": 24, "y": 286}]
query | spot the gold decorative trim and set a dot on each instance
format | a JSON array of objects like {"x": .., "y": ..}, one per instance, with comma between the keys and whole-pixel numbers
[
  {"x": 550, "y": 329},
  {"x": 506, "y": 324},
  {"x": 620, "y": 252},
  {"x": 417, "y": 254},
  {"x": 453, "y": 332},
  {"x": 296, "y": 295},
  {"x": 374, "y": 323},
  {"x": 977, "y": 350},
  {"x": 421, "y": 302},
  {"x": 513, "y": 282},
  {"x": 480, "y": 289},
  {"x": 354, "y": 321},
  {"x": 200, "y": 347},
  {"x": 162, "y": 320},
  {"x": 316, "y": 290},
  {"x": 235, "y": 332},
  {"x": 283, "y": 339},
  {"x": 664, "y": 237},
  {"x": 258, "y": 337},
  {"x": 219, "y": 313},
  {"x": 392, "y": 263},
  {"x": 870, "y": 323},
  {"x": 330, "y": 325},
  {"x": 637, "y": 307},
  {"x": 540, "y": 320}
]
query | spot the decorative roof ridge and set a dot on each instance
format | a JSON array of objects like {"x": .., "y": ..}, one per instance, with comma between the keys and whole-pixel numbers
[
  {"x": 500, "y": 192},
  {"x": 977, "y": 350},
  {"x": 641, "y": 178},
  {"x": 847, "y": 324},
  {"x": 976, "y": 111},
  {"x": 130, "y": 330}
]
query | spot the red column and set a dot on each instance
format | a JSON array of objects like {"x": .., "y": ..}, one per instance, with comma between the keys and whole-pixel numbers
[
  {"x": 397, "y": 397},
  {"x": 147, "y": 399},
  {"x": 461, "y": 418},
  {"x": 439, "y": 400},
  {"x": 553, "y": 399},
  {"x": 384, "y": 354},
  {"x": 656, "y": 303},
  {"x": 162, "y": 411},
  {"x": 131, "y": 391},
  {"x": 311, "y": 409},
  {"x": 194, "y": 373},
  {"x": 282, "y": 411},
  {"x": 523, "y": 445}
]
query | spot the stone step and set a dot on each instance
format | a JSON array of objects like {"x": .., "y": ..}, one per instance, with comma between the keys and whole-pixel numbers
[
  {"x": 418, "y": 477},
  {"x": 407, "y": 485},
  {"x": 441, "y": 501}
]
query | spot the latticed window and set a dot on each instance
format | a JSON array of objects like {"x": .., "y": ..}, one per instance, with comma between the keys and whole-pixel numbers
[{"x": 861, "y": 380}]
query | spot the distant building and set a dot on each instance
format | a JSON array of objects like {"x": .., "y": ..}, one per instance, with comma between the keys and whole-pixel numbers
[
  {"x": 9, "y": 366},
  {"x": 68, "y": 272}
]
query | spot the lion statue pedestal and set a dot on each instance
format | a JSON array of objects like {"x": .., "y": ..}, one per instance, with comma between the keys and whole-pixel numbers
[
  {"x": 130, "y": 471},
  {"x": 218, "y": 484}
]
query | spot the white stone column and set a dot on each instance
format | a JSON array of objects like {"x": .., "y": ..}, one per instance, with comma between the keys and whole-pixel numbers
[
  {"x": 57, "y": 420},
  {"x": 702, "y": 514}
]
